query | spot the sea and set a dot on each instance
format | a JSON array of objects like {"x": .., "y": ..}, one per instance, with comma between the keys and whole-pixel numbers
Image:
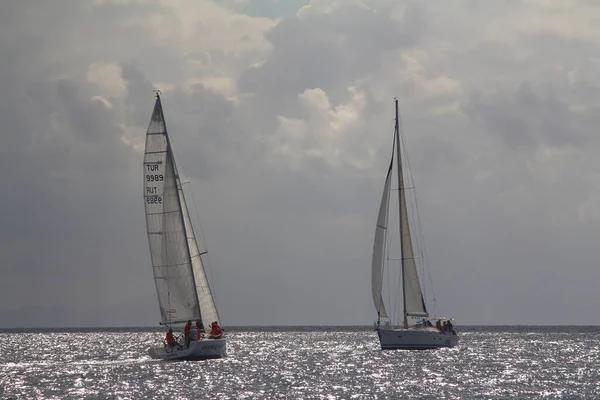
[{"x": 499, "y": 362}]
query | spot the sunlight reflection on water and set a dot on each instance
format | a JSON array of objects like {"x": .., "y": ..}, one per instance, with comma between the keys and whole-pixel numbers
[{"x": 310, "y": 365}]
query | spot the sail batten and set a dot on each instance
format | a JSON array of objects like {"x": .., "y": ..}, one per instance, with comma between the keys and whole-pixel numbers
[{"x": 173, "y": 248}]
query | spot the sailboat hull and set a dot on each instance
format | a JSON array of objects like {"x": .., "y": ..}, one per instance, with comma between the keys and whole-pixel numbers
[
  {"x": 415, "y": 339},
  {"x": 198, "y": 350}
]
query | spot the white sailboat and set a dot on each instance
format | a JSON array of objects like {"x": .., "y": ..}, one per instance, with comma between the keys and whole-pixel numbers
[
  {"x": 421, "y": 335},
  {"x": 182, "y": 287}
]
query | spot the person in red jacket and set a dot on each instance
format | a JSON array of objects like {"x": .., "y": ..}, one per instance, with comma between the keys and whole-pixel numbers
[
  {"x": 215, "y": 331},
  {"x": 186, "y": 333},
  {"x": 170, "y": 339}
]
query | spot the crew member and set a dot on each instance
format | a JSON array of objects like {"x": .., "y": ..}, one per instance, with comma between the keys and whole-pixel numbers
[
  {"x": 186, "y": 333},
  {"x": 199, "y": 329},
  {"x": 215, "y": 331}
]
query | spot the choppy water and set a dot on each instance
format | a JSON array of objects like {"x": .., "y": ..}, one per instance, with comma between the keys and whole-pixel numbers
[{"x": 335, "y": 363}]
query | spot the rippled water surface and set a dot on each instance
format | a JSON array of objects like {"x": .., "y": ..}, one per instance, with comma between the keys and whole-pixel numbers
[{"x": 336, "y": 363}]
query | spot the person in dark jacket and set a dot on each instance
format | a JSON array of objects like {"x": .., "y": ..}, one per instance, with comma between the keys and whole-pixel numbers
[
  {"x": 199, "y": 330},
  {"x": 186, "y": 333}
]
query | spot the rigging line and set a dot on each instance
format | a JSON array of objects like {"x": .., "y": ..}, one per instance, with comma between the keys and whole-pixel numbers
[
  {"x": 206, "y": 267},
  {"x": 168, "y": 163},
  {"x": 165, "y": 240},
  {"x": 198, "y": 225},
  {"x": 422, "y": 247},
  {"x": 388, "y": 249},
  {"x": 397, "y": 267},
  {"x": 394, "y": 294},
  {"x": 205, "y": 245},
  {"x": 421, "y": 238},
  {"x": 386, "y": 242},
  {"x": 411, "y": 198},
  {"x": 386, "y": 267},
  {"x": 188, "y": 182},
  {"x": 399, "y": 309}
]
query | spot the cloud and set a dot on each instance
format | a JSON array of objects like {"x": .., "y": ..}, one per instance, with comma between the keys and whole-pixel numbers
[
  {"x": 108, "y": 78},
  {"x": 282, "y": 120},
  {"x": 322, "y": 138},
  {"x": 323, "y": 49}
]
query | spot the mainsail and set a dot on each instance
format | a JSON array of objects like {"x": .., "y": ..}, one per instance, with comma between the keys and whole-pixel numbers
[
  {"x": 379, "y": 245},
  {"x": 181, "y": 283}
]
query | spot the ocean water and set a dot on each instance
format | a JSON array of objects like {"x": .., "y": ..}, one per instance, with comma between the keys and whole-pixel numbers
[{"x": 304, "y": 363}]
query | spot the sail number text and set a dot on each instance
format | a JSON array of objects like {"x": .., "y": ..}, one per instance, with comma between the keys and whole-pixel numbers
[
  {"x": 152, "y": 196},
  {"x": 154, "y": 178},
  {"x": 154, "y": 200}
]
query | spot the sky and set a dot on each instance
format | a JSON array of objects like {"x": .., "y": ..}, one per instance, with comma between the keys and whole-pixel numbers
[{"x": 281, "y": 114}]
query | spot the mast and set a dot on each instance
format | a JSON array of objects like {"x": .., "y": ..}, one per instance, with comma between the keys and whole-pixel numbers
[
  {"x": 400, "y": 189},
  {"x": 177, "y": 189}
]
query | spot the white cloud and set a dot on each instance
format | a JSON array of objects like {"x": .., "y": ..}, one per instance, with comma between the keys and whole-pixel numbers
[
  {"x": 108, "y": 78},
  {"x": 319, "y": 7},
  {"x": 328, "y": 134},
  {"x": 206, "y": 35}
]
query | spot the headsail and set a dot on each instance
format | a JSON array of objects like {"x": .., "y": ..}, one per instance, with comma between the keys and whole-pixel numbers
[
  {"x": 208, "y": 310},
  {"x": 181, "y": 284},
  {"x": 414, "y": 305}
]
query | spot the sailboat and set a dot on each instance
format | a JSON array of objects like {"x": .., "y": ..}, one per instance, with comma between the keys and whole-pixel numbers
[
  {"x": 183, "y": 290},
  {"x": 420, "y": 335}
]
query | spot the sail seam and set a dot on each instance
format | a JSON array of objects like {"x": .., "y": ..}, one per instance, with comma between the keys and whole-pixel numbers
[
  {"x": 162, "y": 212},
  {"x": 170, "y": 265}
]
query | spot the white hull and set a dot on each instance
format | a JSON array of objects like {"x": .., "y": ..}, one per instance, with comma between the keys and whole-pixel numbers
[
  {"x": 198, "y": 350},
  {"x": 415, "y": 339}
]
